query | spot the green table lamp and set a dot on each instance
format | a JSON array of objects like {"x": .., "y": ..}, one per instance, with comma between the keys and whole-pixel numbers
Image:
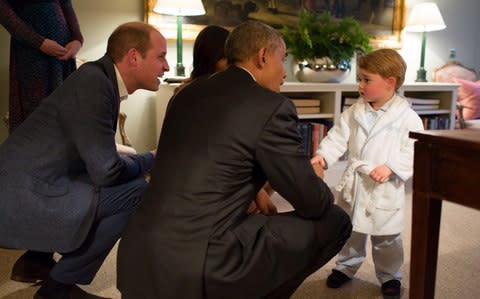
[
  {"x": 179, "y": 8},
  {"x": 424, "y": 17}
]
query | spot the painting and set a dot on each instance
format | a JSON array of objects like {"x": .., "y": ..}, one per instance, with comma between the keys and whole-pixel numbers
[{"x": 384, "y": 19}]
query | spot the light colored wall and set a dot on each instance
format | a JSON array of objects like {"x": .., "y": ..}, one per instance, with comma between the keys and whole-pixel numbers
[
  {"x": 462, "y": 33},
  {"x": 99, "y": 18}
]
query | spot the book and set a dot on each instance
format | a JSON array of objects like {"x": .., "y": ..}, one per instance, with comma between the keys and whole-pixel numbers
[
  {"x": 414, "y": 101},
  {"x": 312, "y": 134},
  {"x": 315, "y": 138},
  {"x": 349, "y": 101},
  {"x": 425, "y": 107},
  {"x": 306, "y": 102},
  {"x": 307, "y": 110}
]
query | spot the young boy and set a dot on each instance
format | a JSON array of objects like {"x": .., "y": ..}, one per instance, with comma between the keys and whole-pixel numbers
[{"x": 375, "y": 132}]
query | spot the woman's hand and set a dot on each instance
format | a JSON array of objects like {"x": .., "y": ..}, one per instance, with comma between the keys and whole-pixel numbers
[
  {"x": 52, "y": 48},
  {"x": 72, "y": 49}
]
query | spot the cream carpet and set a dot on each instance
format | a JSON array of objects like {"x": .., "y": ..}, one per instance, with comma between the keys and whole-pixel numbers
[{"x": 458, "y": 268}]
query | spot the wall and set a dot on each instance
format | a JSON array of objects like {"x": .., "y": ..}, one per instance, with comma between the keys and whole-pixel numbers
[
  {"x": 462, "y": 33},
  {"x": 99, "y": 18}
]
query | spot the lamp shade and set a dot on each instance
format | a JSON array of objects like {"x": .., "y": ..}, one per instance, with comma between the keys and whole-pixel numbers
[
  {"x": 425, "y": 17},
  {"x": 179, "y": 7}
]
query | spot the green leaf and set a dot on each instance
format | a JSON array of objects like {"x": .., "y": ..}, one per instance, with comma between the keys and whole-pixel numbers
[{"x": 317, "y": 36}]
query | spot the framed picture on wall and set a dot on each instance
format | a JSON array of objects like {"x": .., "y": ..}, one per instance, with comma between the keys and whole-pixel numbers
[{"x": 384, "y": 19}]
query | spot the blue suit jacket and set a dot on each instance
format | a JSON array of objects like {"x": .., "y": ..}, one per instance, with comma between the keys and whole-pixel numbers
[{"x": 54, "y": 162}]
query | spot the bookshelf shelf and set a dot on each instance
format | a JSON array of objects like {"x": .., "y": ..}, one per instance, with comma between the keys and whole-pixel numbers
[
  {"x": 331, "y": 96},
  {"x": 433, "y": 112},
  {"x": 315, "y": 115}
]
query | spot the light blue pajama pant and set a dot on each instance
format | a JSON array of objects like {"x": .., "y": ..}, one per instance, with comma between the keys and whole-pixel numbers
[{"x": 387, "y": 253}]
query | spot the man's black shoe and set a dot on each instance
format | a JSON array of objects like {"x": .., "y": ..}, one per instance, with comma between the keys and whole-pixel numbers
[
  {"x": 32, "y": 267},
  {"x": 74, "y": 293}
]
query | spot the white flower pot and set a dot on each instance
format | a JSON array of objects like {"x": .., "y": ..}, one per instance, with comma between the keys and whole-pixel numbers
[{"x": 320, "y": 70}]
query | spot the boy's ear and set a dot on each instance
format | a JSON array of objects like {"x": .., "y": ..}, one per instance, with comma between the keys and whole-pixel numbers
[{"x": 392, "y": 81}]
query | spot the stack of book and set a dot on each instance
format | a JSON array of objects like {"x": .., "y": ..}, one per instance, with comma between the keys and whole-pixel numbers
[
  {"x": 347, "y": 102},
  {"x": 307, "y": 106},
  {"x": 312, "y": 133},
  {"x": 424, "y": 104}
]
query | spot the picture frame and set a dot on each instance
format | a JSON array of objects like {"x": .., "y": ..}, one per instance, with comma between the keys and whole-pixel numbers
[{"x": 384, "y": 19}]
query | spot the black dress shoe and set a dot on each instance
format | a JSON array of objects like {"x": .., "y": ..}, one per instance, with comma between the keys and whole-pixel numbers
[
  {"x": 391, "y": 289},
  {"x": 74, "y": 293},
  {"x": 337, "y": 279},
  {"x": 32, "y": 267}
]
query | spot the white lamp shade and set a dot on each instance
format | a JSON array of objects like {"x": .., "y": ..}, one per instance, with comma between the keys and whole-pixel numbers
[
  {"x": 425, "y": 17},
  {"x": 179, "y": 7}
]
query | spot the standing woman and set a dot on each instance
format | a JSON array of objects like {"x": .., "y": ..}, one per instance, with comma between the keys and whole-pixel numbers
[{"x": 45, "y": 38}]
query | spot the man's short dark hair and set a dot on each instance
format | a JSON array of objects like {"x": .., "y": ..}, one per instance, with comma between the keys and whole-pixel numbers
[{"x": 247, "y": 38}]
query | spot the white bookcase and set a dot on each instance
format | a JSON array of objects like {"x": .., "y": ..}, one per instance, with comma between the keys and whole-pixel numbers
[{"x": 331, "y": 94}]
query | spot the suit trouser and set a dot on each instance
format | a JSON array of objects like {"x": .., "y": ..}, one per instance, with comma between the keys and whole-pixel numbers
[
  {"x": 387, "y": 254},
  {"x": 291, "y": 247},
  {"x": 115, "y": 205}
]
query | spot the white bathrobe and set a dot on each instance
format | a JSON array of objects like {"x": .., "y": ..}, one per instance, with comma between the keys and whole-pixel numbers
[{"x": 375, "y": 208}]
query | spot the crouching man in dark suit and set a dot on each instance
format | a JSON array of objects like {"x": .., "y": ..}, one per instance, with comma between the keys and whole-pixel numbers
[
  {"x": 64, "y": 188},
  {"x": 222, "y": 138}
]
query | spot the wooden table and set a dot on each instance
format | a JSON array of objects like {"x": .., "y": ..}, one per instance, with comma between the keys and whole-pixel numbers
[{"x": 446, "y": 167}]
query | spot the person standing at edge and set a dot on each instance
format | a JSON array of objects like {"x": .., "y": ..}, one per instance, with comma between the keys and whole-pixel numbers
[
  {"x": 64, "y": 186},
  {"x": 45, "y": 39},
  {"x": 222, "y": 138}
]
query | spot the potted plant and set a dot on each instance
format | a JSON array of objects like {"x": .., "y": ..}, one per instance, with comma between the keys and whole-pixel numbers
[{"x": 323, "y": 48}]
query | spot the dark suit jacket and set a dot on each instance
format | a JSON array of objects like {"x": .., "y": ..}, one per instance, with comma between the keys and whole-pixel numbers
[
  {"x": 221, "y": 139},
  {"x": 51, "y": 165}
]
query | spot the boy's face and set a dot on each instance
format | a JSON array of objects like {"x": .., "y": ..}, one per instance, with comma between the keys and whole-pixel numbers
[{"x": 375, "y": 89}]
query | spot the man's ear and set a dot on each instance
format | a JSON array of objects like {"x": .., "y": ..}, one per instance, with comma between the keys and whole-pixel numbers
[
  {"x": 261, "y": 57},
  {"x": 132, "y": 56}
]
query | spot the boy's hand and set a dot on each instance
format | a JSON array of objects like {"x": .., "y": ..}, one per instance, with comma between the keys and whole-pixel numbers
[
  {"x": 318, "y": 164},
  {"x": 318, "y": 160},
  {"x": 381, "y": 173}
]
